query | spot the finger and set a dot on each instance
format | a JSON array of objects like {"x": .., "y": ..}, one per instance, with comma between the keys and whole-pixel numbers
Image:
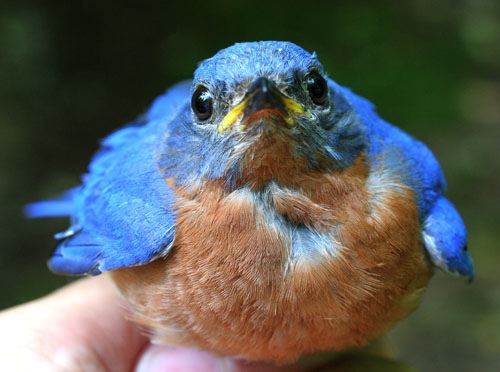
[
  {"x": 157, "y": 358},
  {"x": 81, "y": 327}
]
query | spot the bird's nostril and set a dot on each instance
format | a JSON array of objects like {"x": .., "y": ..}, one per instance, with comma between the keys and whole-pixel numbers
[{"x": 263, "y": 84}]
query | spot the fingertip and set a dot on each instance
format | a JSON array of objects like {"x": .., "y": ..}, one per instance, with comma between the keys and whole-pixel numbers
[{"x": 158, "y": 358}]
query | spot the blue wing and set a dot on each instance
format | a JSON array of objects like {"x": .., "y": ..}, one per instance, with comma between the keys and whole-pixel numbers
[
  {"x": 61, "y": 207},
  {"x": 443, "y": 232},
  {"x": 445, "y": 238},
  {"x": 395, "y": 150},
  {"x": 122, "y": 215}
]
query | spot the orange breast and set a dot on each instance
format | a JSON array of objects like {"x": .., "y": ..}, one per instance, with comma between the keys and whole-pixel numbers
[{"x": 246, "y": 276}]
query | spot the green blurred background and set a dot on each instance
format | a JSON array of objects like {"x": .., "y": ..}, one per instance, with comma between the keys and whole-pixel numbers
[{"x": 72, "y": 71}]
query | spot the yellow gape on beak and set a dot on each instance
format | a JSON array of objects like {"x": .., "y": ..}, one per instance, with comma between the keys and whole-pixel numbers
[
  {"x": 262, "y": 95},
  {"x": 293, "y": 106},
  {"x": 233, "y": 116}
]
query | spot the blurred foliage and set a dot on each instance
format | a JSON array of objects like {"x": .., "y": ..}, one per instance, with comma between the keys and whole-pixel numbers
[{"x": 73, "y": 71}]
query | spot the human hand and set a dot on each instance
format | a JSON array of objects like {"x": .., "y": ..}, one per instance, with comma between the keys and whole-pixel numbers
[{"x": 84, "y": 327}]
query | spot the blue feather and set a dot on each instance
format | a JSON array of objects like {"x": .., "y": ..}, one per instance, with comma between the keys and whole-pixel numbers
[
  {"x": 60, "y": 207},
  {"x": 398, "y": 152},
  {"x": 123, "y": 213},
  {"x": 445, "y": 238},
  {"x": 444, "y": 232},
  {"x": 169, "y": 103}
]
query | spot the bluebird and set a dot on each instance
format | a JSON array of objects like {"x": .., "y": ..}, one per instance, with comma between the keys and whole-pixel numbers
[{"x": 263, "y": 211}]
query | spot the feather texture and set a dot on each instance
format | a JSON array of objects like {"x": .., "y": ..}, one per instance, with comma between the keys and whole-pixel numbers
[{"x": 278, "y": 239}]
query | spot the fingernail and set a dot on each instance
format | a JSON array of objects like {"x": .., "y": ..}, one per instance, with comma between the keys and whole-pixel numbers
[{"x": 158, "y": 358}]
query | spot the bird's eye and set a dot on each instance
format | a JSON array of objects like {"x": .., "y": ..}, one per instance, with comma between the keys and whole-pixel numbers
[
  {"x": 317, "y": 88},
  {"x": 202, "y": 103}
]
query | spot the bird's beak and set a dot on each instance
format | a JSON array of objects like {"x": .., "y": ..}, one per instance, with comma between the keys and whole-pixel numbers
[{"x": 262, "y": 101}]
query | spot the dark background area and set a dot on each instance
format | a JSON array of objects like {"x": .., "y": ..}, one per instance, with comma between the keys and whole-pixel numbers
[{"x": 71, "y": 72}]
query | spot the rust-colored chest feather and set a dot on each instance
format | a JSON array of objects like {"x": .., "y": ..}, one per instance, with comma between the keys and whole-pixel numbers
[{"x": 328, "y": 262}]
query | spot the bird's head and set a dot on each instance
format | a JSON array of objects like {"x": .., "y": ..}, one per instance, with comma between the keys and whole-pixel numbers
[{"x": 263, "y": 112}]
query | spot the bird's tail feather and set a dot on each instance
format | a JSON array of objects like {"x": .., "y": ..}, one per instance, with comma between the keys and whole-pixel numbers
[{"x": 60, "y": 207}]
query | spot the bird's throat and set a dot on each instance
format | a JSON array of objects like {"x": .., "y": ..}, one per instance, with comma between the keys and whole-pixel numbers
[{"x": 269, "y": 159}]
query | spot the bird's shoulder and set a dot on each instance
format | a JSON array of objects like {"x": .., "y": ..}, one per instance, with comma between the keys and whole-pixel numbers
[
  {"x": 122, "y": 213},
  {"x": 390, "y": 149}
]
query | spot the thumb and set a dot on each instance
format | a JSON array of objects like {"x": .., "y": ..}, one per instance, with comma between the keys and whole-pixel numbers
[
  {"x": 81, "y": 327},
  {"x": 157, "y": 358}
]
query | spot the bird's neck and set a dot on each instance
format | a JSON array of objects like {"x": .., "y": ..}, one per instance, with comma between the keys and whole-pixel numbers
[{"x": 273, "y": 160}]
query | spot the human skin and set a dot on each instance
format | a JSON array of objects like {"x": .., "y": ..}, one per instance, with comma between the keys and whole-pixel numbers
[{"x": 84, "y": 327}]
